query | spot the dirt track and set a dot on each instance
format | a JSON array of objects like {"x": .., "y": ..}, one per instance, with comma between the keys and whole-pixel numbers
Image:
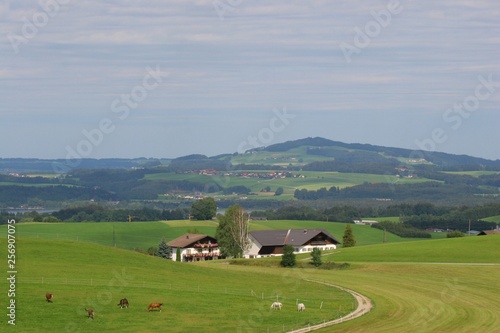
[{"x": 364, "y": 306}]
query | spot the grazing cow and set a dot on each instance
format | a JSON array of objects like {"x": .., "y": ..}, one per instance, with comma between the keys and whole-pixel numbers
[
  {"x": 90, "y": 313},
  {"x": 301, "y": 307},
  {"x": 123, "y": 303},
  {"x": 276, "y": 305},
  {"x": 153, "y": 306},
  {"x": 49, "y": 297}
]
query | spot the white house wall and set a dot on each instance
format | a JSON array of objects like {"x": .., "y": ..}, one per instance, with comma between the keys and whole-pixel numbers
[
  {"x": 309, "y": 248},
  {"x": 253, "y": 250}
]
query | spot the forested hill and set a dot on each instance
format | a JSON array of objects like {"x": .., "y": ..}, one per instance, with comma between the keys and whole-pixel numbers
[
  {"x": 330, "y": 148},
  {"x": 311, "y": 171}
]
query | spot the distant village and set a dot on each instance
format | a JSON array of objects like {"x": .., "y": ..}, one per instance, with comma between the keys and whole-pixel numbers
[{"x": 245, "y": 174}]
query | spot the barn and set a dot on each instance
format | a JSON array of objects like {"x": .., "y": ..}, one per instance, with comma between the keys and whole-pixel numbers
[
  {"x": 194, "y": 247},
  {"x": 271, "y": 242},
  {"x": 489, "y": 232}
]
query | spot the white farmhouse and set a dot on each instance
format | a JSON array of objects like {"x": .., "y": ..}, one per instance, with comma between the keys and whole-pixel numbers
[{"x": 194, "y": 247}]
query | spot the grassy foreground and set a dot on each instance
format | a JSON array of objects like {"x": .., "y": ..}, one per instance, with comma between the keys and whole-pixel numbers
[{"x": 446, "y": 285}]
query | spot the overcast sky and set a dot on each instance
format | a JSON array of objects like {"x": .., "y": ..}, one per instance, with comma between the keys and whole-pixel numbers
[{"x": 166, "y": 78}]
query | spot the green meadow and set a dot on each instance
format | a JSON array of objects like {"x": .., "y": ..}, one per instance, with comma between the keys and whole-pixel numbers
[
  {"x": 128, "y": 235},
  {"x": 310, "y": 180},
  {"x": 142, "y": 235},
  {"x": 432, "y": 285},
  {"x": 493, "y": 219}
]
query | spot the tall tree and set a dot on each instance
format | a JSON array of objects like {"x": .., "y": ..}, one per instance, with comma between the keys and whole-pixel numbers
[
  {"x": 288, "y": 258},
  {"x": 232, "y": 232},
  {"x": 204, "y": 209},
  {"x": 348, "y": 239}
]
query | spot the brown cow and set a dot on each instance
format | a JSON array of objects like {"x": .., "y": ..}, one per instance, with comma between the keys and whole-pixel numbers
[
  {"x": 90, "y": 312},
  {"x": 123, "y": 303},
  {"x": 49, "y": 296},
  {"x": 153, "y": 306}
]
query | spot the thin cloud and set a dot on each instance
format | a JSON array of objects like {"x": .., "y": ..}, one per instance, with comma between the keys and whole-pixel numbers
[{"x": 260, "y": 55}]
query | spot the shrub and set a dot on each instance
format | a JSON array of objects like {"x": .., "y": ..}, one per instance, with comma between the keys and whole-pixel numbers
[
  {"x": 316, "y": 257},
  {"x": 401, "y": 229},
  {"x": 454, "y": 234}
]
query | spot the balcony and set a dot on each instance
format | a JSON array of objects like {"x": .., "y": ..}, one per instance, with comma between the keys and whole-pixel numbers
[{"x": 206, "y": 245}]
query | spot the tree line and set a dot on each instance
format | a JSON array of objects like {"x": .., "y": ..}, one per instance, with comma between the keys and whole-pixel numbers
[
  {"x": 420, "y": 215},
  {"x": 423, "y": 191}
]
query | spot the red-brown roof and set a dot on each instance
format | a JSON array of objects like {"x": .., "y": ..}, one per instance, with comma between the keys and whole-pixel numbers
[
  {"x": 188, "y": 240},
  {"x": 489, "y": 232}
]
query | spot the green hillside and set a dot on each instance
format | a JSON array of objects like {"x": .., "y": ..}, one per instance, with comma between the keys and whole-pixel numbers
[
  {"x": 357, "y": 174},
  {"x": 142, "y": 235},
  {"x": 121, "y": 234},
  {"x": 429, "y": 289},
  {"x": 469, "y": 249}
]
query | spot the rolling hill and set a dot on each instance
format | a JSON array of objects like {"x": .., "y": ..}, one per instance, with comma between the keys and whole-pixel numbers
[
  {"x": 304, "y": 170},
  {"x": 419, "y": 293}
]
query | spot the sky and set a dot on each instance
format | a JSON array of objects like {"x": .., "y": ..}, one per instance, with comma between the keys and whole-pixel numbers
[{"x": 168, "y": 78}]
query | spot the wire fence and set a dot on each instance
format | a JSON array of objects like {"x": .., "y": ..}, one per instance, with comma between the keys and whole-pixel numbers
[
  {"x": 334, "y": 313},
  {"x": 306, "y": 296}
]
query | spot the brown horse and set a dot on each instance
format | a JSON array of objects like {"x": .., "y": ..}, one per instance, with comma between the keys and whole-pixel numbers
[
  {"x": 49, "y": 296},
  {"x": 123, "y": 303},
  {"x": 153, "y": 306},
  {"x": 90, "y": 313}
]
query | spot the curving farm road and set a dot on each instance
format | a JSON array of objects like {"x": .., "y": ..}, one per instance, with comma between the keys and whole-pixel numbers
[{"x": 364, "y": 306}]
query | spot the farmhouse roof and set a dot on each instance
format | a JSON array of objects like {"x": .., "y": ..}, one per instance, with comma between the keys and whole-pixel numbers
[
  {"x": 187, "y": 240},
  {"x": 295, "y": 237},
  {"x": 489, "y": 232}
]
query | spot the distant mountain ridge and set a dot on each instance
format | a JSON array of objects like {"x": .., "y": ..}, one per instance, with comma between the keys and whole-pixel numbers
[
  {"x": 314, "y": 146},
  {"x": 437, "y": 158}
]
